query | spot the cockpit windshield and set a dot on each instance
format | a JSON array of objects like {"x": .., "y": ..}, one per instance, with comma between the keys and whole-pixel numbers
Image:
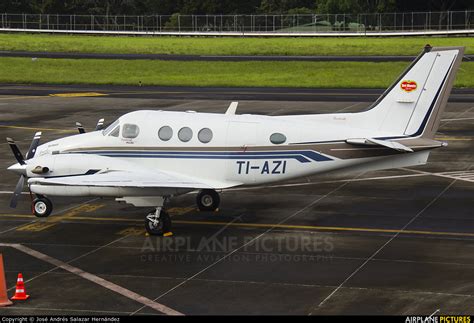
[{"x": 112, "y": 126}]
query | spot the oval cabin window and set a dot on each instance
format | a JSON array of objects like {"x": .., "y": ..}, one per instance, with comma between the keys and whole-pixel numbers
[
  {"x": 205, "y": 135},
  {"x": 165, "y": 133},
  {"x": 277, "y": 138},
  {"x": 185, "y": 134}
]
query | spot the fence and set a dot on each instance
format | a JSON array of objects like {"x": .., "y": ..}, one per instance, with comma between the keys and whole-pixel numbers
[{"x": 308, "y": 23}]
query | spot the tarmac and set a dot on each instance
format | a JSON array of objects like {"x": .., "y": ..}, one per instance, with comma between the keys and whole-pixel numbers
[
  {"x": 213, "y": 58},
  {"x": 399, "y": 241},
  {"x": 142, "y": 91}
]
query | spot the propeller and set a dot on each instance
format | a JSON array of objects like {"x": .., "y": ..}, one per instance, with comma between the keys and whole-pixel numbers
[
  {"x": 80, "y": 128},
  {"x": 16, "y": 152},
  {"x": 22, "y": 170},
  {"x": 34, "y": 144},
  {"x": 100, "y": 124},
  {"x": 17, "y": 192}
]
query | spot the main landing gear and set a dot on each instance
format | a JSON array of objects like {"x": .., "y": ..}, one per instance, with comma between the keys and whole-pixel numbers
[
  {"x": 208, "y": 200},
  {"x": 41, "y": 206},
  {"x": 158, "y": 223}
]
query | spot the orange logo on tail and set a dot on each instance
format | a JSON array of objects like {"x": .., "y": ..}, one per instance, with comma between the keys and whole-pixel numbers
[{"x": 408, "y": 86}]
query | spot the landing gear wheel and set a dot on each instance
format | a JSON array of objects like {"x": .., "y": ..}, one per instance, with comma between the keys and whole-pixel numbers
[
  {"x": 158, "y": 225},
  {"x": 208, "y": 200},
  {"x": 42, "y": 207}
]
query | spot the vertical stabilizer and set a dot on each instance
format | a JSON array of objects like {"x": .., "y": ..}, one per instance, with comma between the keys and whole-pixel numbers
[{"x": 413, "y": 105}]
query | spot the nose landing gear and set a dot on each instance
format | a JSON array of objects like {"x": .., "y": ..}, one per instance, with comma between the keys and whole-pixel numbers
[
  {"x": 208, "y": 200},
  {"x": 41, "y": 206}
]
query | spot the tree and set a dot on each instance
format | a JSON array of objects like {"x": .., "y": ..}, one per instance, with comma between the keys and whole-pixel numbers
[
  {"x": 173, "y": 23},
  {"x": 355, "y": 6},
  {"x": 283, "y": 6},
  {"x": 300, "y": 11},
  {"x": 202, "y": 7}
]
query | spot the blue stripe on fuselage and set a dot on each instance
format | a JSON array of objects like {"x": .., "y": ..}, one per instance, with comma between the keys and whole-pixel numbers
[{"x": 303, "y": 156}]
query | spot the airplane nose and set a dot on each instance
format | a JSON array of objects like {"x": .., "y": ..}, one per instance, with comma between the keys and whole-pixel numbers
[{"x": 18, "y": 168}]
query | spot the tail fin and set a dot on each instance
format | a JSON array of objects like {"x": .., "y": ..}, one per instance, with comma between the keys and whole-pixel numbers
[{"x": 412, "y": 106}]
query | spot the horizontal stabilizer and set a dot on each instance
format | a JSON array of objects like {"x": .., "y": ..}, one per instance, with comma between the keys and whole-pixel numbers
[{"x": 378, "y": 142}]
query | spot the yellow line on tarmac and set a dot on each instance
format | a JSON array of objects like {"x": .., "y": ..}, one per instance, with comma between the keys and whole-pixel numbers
[
  {"x": 107, "y": 219},
  {"x": 77, "y": 94},
  {"x": 18, "y": 215},
  {"x": 24, "y": 97},
  {"x": 454, "y": 138},
  {"x": 52, "y": 221},
  {"x": 36, "y": 129},
  {"x": 270, "y": 225},
  {"x": 73, "y": 212},
  {"x": 76, "y": 217},
  {"x": 312, "y": 227}
]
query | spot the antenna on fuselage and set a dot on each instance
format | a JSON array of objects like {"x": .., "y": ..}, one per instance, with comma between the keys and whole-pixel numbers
[{"x": 232, "y": 108}]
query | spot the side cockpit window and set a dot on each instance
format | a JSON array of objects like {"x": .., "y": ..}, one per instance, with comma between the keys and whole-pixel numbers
[
  {"x": 107, "y": 131},
  {"x": 130, "y": 130},
  {"x": 115, "y": 132}
]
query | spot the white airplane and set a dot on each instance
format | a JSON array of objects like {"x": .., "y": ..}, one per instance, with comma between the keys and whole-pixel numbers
[{"x": 146, "y": 157}]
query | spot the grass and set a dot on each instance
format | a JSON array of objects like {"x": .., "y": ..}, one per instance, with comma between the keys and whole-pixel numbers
[
  {"x": 228, "y": 46},
  {"x": 240, "y": 74}
]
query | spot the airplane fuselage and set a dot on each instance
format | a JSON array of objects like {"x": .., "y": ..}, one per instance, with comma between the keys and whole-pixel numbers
[{"x": 237, "y": 150}]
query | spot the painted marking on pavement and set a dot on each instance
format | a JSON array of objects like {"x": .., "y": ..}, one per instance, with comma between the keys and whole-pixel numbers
[
  {"x": 95, "y": 279},
  {"x": 397, "y": 233},
  {"x": 38, "y": 129},
  {"x": 131, "y": 231},
  {"x": 174, "y": 211},
  {"x": 267, "y": 225},
  {"x": 77, "y": 94},
  {"x": 458, "y": 138},
  {"x": 36, "y": 226},
  {"x": 21, "y": 97},
  {"x": 326, "y": 228},
  {"x": 52, "y": 221}
]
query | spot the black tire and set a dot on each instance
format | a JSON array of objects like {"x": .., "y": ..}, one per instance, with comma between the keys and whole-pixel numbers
[
  {"x": 208, "y": 200},
  {"x": 164, "y": 225},
  {"x": 42, "y": 207}
]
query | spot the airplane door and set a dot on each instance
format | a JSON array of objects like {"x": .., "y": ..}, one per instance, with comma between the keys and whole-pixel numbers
[{"x": 240, "y": 135}]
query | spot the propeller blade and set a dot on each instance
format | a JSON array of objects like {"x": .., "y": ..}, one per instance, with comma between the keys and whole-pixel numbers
[
  {"x": 16, "y": 151},
  {"x": 100, "y": 124},
  {"x": 17, "y": 192},
  {"x": 34, "y": 144},
  {"x": 80, "y": 128}
]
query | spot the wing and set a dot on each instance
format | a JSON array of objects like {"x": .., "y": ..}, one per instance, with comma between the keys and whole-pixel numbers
[{"x": 123, "y": 178}]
